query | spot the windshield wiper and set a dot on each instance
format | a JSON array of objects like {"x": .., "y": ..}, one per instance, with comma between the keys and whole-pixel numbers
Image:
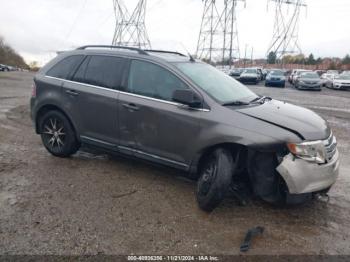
[
  {"x": 261, "y": 99},
  {"x": 235, "y": 103}
]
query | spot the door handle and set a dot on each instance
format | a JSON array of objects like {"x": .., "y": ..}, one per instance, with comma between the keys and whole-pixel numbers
[
  {"x": 131, "y": 107},
  {"x": 72, "y": 92}
]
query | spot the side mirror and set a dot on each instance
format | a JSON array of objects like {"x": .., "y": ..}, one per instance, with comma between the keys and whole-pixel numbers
[{"x": 186, "y": 97}]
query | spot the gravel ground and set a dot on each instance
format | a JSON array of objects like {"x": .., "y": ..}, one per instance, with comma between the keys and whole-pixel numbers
[{"x": 95, "y": 203}]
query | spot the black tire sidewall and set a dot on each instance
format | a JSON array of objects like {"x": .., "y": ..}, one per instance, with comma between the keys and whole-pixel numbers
[
  {"x": 221, "y": 183},
  {"x": 71, "y": 144}
]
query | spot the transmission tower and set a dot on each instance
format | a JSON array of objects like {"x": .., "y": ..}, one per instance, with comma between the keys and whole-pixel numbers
[
  {"x": 286, "y": 28},
  {"x": 130, "y": 28},
  {"x": 218, "y": 37}
]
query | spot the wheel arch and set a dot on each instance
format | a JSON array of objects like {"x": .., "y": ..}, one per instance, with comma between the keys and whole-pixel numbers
[
  {"x": 51, "y": 107},
  {"x": 205, "y": 152}
]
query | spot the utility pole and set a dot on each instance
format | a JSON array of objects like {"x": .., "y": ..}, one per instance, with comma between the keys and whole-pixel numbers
[
  {"x": 130, "y": 29},
  {"x": 218, "y": 37},
  {"x": 251, "y": 56},
  {"x": 286, "y": 28},
  {"x": 245, "y": 55}
]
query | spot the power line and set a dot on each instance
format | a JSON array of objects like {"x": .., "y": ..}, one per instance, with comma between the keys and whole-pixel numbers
[
  {"x": 130, "y": 29},
  {"x": 286, "y": 28},
  {"x": 218, "y": 37}
]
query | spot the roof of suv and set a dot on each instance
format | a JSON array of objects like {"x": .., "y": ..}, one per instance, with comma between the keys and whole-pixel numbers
[{"x": 168, "y": 56}]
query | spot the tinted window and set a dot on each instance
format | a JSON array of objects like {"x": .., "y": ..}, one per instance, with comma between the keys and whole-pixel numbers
[
  {"x": 80, "y": 74},
  {"x": 66, "y": 67},
  {"x": 152, "y": 80},
  {"x": 104, "y": 71}
]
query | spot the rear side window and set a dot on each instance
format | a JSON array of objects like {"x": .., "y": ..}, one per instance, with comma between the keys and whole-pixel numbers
[
  {"x": 104, "y": 71},
  {"x": 66, "y": 67},
  {"x": 151, "y": 80}
]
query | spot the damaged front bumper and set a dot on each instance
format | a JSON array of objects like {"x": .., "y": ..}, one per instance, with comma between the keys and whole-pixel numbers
[{"x": 302, "y": 176}]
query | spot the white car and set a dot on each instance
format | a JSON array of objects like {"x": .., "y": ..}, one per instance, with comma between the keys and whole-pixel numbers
[
  {"x": 325, "y": 78},
  {"x": 250, "y": 75},
  {"x": 339, "y": 82}
]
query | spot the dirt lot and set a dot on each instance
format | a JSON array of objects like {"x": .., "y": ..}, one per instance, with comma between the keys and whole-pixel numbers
[{"x": 95, "y": 203}]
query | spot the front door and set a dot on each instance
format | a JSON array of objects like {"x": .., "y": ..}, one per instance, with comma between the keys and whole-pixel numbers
[{"x": 151, "y": 125}]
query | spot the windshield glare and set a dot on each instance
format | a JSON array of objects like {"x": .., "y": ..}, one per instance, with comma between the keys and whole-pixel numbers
[
  {"x": 215, "y": 83},
  {"x": 343, "y": 77},
  {"x": 250, "y": 71},
  {"x": 309, "y": 75},
  {"x": 277, "y": 73}
]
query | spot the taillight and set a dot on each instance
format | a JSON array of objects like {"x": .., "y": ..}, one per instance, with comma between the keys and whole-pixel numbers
[{"x": 33, "y": 90}]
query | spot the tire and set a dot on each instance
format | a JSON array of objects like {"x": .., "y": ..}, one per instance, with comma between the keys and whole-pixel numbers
[
  {"x": 268, "y": 184},
  {"x": 57, "y": 134},
  {"x": 214, "y": 179}
]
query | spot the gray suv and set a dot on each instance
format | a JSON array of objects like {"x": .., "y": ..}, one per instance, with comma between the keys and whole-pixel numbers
[{"x": 168, "y": 108}]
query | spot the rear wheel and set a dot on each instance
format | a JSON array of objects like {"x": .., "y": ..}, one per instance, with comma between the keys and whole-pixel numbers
[
  {"x": 57, "y": 134},
  {"x": 215, "y": 178}
]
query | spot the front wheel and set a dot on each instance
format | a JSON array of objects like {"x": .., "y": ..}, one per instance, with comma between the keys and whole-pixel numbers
[
  {"x": 215, "y": 178},
  {"x": 57, "y": 134}
]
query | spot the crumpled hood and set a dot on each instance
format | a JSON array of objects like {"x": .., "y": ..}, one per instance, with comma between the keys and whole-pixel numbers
[{"x": 301, "y": 121}]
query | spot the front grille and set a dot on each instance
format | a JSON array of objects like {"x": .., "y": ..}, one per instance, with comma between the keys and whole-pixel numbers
[{"x": 330, "y": 145}]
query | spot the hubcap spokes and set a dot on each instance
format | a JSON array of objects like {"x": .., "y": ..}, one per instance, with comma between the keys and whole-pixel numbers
[{"x": 55, "y": 132}]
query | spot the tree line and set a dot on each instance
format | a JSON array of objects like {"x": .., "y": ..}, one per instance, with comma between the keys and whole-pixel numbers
[
  {"x": 301, "y": 59},
  {"x": 9, "y": 56}
]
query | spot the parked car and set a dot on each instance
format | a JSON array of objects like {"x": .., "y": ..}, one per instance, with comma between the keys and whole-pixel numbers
[
  {"x": 186, "y": 114},
  {"x": 250, "y": 75},
  {"x": 346, "y": 72},
  {"x": 324, "y": 78},
  {"x": 264, "y": 73},
  {"x": 275, "y": 77},
  {"x": 341, "y": 81},
  {"x": 236, "y": 73},
  {"x": 333, "y": 72},
  {"x": 4, "y": 68},
  {"x": 308, "y": 80},
  {"x": 297, "y": 75}
]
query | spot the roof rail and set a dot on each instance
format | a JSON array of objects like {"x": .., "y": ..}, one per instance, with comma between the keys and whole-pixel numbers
[
  {"x": 165, "y": 52},
  {"x": 140, "y": 51}
]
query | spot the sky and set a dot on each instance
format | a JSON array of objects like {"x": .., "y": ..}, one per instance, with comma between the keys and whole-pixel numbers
[{"x": 39, "y": 28}]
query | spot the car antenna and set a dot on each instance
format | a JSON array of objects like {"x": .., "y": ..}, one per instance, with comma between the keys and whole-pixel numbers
[{"x": 188, "y": 53}]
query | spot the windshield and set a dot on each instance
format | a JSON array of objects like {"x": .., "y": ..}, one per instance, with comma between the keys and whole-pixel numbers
[
  {"x": 277, "y": 73},
  {"x": 250, "y": 71},
  {"x": 215, "y": 83},
  {"x": 343, "y": 77},
  {"x": 310, "y": 75}
]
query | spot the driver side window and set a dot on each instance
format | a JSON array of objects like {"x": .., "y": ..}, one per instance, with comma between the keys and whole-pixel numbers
[{"x": 151, "y": 80}]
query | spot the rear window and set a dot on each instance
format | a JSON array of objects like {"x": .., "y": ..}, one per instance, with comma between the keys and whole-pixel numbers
[
  {"x": 66, "y": 67},
  {"x": 104, "y": 71}
]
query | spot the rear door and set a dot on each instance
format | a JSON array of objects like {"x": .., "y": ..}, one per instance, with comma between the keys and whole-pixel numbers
[
  {"x": 92, "y": 99},
  {"x": 152, "y": 126}
]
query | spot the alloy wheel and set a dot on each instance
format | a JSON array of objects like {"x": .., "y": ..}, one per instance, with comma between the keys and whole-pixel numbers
[{"x": 54, "y": 133}]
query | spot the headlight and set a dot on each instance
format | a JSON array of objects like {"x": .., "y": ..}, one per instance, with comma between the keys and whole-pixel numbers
[{"x": 309, "y": 151}]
